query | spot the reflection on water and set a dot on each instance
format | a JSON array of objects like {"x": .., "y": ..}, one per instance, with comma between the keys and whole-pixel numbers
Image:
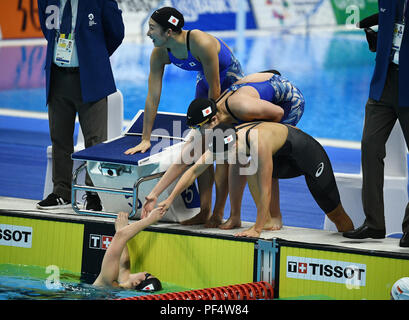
[
  {"x": 18, "y": 282},
  {"x": 333, "y": 70}
]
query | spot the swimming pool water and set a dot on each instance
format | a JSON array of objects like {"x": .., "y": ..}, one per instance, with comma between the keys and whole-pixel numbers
[
  {"x": 332, "y": 69},
  {"x": 21, "y": 282}
]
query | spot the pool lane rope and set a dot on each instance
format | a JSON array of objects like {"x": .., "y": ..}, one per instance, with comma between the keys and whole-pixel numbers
[{"x": 247, "y": 291}]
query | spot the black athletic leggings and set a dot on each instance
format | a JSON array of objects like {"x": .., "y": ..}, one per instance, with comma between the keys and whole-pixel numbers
[{"x": 303, "y": 155}]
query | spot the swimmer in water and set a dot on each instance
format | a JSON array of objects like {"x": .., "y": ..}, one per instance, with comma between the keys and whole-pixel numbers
[{"x": 115, "y": 267}]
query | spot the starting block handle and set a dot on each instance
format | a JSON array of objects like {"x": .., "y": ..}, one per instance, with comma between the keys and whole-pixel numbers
[
  {"x": 132, "y": 193},
  {"x": 136, "y": 189}
]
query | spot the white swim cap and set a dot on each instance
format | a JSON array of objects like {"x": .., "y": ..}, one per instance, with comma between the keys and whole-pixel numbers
[{"x": 400, "y": 290}]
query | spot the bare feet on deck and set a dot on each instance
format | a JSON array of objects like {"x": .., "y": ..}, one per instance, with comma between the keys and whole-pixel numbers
[
  {"x": 200, "y": 218},
  {"x": 214, "y": 221},
  {"x": 273, "y": 224},
  {"x": 231, "y": 223}
]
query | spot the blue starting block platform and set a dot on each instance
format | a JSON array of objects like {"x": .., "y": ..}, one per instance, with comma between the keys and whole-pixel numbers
[{"x": 123, "y": 181}]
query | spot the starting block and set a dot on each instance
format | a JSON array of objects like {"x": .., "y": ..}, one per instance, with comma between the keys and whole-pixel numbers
[{"x": 123, "y": 181}]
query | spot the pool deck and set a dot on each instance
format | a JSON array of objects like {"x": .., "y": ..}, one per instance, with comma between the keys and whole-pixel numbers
[{"x": 334, "y": 240}]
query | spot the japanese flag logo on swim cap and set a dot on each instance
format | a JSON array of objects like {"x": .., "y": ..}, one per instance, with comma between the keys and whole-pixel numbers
[
  {"x": 149, "y": 284},
  {"x": 173, "y": 21},
  {"x": 228, "y": 139},
  {"x": 207, "y": 111},
  {"x": 200, "y": 111},
  {"x": 148, "y": 288},
  {"x": 222, "y": 140}
]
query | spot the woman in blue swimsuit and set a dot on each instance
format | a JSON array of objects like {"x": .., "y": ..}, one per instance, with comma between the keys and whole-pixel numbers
[
  {"x": 259, "y": 96},
  {"x": 192, "y": 50}
]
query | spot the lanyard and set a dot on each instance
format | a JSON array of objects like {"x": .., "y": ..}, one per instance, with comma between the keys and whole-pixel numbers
[{"x": 404, "y": 11}]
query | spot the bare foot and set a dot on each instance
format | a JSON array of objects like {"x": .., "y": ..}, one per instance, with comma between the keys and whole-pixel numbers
[
  {"x": 275, "y": 223},
  {"x": 214, "y": 221},
  {"x": 231, "y": 223},
  {"x": 200, "y": 218},
  {"x": 121, "y": 220},
  {"x": 251, "y": 232},
  {"x": 341, "y": 219}
]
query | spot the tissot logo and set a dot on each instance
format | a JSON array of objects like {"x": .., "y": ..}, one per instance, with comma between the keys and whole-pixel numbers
[
  {"x": 97, "y": 241},
  {"x": 15, "y": 236},
  {"x": 326, "y": 270}
]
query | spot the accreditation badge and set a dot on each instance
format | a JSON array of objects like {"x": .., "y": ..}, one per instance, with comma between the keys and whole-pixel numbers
[
  {"x": 64, "y": 50},
  {"x": 397, "y": 40}
]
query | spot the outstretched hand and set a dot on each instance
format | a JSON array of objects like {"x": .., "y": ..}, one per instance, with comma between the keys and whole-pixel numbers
[
  {"x": 148, "y": 206},
  {"x": 165, "y": 205},
  {"x": 156, "y": 214},
  {"x": 141, "y": 147}
]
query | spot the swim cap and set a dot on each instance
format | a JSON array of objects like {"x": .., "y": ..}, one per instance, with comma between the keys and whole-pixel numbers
[
  {"x": 400, "y": 290},
  {"x": 169, "y": 17},
  {"x": 149, "y": 284},
  {"x": 200, "y": 111},
  {"x": 223, "y": 139}
]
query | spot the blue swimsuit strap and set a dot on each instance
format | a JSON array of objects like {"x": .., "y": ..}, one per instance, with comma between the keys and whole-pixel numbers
[{"x": 233, "y": 88}]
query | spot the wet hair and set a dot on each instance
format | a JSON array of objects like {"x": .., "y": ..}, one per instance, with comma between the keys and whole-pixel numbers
[
  {"x": 168, "y": 17},
  {"x": 200, "y": 111}
]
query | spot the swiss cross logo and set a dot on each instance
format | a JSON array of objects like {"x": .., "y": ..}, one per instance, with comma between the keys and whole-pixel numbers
[
  {"x": 297, "y": 267},
  {"x": 302, "y": 267},
  {"x": 97, "y": 241},
  {"x": 106, "y": 241},
  {"x": 173, "y": 21}
]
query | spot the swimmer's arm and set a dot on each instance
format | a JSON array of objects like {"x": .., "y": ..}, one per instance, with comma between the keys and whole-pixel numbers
[
  {"x": 184, "y": 160},
  {"x": 111, "y": 261},
  {"x": 174, "y": 171},
  {"x": 157, "y": 66},
  {"x": 248, "y": 108},
  {"x": 203, "y": 47},
  {"x": 188, "y": 154},
  {"x": 188, "y": 178}
]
